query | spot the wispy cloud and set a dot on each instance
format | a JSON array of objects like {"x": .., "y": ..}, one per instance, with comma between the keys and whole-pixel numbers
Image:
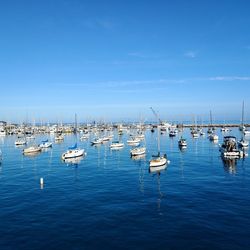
[
  {"x": 190, "y": 54},
  {"x": 155, "y": 82},
  {"x": 229, "y": 78}
]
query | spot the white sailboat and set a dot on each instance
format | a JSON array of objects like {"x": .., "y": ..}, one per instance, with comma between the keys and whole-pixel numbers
[
  {"x": 158, "y": 160},
  {"x": 138, "y": 151},
  {"x": 243, "y": 128},
  {"x": 45, "y": 144},
  {"x": 182, "y": 143},
  {"x": 243, "y": 143},
  {"x": 20, "y": 141},
  {"x": 73, "y": 152},
  {"x": 213, "y": 136},
  {"x": 31, "y": 150},
  {"x": 116, "y": 145},
  {"x": 133, "y": 141}
]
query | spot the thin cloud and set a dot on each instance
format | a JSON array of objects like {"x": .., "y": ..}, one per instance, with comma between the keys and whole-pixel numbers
[
  {"x": 190, "y": 54},
  {"x": 153, "y": 82},
  {"x": 230, "y": 78}
]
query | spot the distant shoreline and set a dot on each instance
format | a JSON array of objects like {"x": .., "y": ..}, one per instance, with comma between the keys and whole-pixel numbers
[{"x": 218, "y": 125}]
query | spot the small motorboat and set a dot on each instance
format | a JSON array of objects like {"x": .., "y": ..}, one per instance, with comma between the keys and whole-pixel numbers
[{"x": 229, "y": 148}]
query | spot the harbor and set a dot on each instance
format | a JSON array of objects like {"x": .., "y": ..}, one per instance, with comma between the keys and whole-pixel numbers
[
  {"x": 124, "y": 125},
  {"x": 84, "y": 197}
]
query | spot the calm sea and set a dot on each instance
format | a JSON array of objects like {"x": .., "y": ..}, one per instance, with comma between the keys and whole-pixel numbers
[{"x": 111, "y": 201}]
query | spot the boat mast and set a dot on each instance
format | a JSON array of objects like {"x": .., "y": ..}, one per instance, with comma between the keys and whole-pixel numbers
[
  {"x": 242, "y": 116},
  {"x": 211, "y": 122},
  {"x": 158, "y": 130},
  {"x": 75, "y": 129}
]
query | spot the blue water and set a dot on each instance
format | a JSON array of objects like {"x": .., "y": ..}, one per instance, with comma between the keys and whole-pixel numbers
[{"x": 110, "y": 201}]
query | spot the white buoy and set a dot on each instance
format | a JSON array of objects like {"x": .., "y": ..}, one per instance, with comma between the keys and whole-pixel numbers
[{"x": 41, "y": 182}]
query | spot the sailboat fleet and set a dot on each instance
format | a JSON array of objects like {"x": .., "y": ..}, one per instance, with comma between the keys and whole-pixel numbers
[{"x": 103, "y": 135}]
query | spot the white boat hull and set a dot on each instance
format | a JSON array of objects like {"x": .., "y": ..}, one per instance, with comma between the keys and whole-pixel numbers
[
  {"x": 213, "y": 137},
  {"x": 73, "y": 154},
  {"x": 137, "y": 151},
  {"x": 160, "y": 161},
  {"x": 20, "y": 142},
  {"x": 247, "y": 133},
  {"x": 45, "y": 145},
  {"x": 235, "y": 154},
  {"x": 32, "y": 150},
  {"x": 116, "y": 145}
]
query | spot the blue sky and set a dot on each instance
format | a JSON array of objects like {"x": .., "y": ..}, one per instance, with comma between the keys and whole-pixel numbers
[{"x": 112, "y": 60}]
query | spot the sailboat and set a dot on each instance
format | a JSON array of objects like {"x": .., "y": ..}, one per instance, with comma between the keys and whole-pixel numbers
[
  {"x": 212, "y": 137},
  {"x": 21, "y": 140},
  {"x": 45, "y": 144},
  {"x": 73, "y": 152},
  {"x": 158, "y": 160},
  {"x": 242, "y": 128},
  {"x": 194, "y": 131}
]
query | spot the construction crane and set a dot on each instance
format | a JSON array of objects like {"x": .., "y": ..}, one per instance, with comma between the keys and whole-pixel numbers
[{"x": 156, "y": 115}]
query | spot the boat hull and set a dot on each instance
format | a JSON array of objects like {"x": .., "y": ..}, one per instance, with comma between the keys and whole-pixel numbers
[
  {"x": 137, "y": 151},
  {"x": 32, "y": 150},
  {"x": 158, "y": 162},
  {"x": 70, "y": 154}
]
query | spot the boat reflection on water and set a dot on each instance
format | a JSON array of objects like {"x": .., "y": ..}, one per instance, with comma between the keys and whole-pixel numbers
[
  {"x": 138, "y": 157},
  {"x": 182, "y": 148},
  {"x": 229, "y": 164},
  {"x": 73, "y": 161},
  {"x": 157, "y": 170}
]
